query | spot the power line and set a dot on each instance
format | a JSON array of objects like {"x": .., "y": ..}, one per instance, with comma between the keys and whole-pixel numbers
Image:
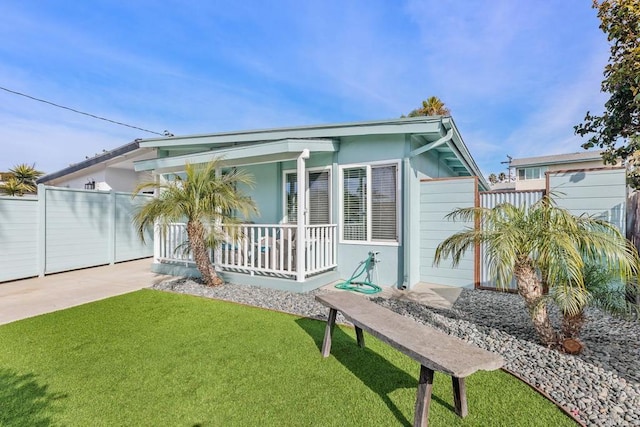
[{"x": 80, "y": 112}]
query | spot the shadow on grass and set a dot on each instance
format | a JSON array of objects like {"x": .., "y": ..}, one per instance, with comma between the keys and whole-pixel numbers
[
  {"x": 376, "y": 372},
  {"x": 25, "y": 402}
]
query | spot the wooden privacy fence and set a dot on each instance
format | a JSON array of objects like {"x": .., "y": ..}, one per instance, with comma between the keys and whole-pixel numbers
[
  {"x": 65, "y": 229},
  {"x": 633, "y": 218}
]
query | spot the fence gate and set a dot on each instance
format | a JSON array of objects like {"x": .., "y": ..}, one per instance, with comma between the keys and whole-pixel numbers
[
  {"x": 491, "y": 199},
  {"x": 438, "y": 197}
]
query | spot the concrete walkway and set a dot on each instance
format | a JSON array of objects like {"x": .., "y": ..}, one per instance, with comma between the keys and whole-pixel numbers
[{"x": 30, "y": 297}]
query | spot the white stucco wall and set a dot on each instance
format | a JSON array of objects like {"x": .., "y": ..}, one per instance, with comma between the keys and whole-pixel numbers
[{"x": 540, "y": 184}]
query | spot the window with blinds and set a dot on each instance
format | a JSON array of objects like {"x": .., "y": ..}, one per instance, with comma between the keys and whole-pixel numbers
[
  {"x": 318, "y": 192},
  {"x": 291, "y": 193},
  {"x": 370, "y": 203},
  {"x": 319, "y": 197},
  {"x": 354, "y": 185},
  {"x": 384, "y": 209}
]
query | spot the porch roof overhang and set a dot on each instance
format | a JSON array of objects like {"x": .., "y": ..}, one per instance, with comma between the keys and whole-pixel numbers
[{"x": 245, "y": 154}]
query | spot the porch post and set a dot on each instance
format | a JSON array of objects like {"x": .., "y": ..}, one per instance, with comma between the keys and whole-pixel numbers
[
  {"x": 158, "y": 235},
  {"x": 301, "y": 250}
]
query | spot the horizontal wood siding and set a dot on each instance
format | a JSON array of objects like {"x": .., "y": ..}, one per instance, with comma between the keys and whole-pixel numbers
[
  {"x": 18, "y": 237},
  {"x": 127, "y": 243},
  {"x": 77, "y": 229},
  {"x": 437, "y": 199},
  {"x": 601, "y": 193}
]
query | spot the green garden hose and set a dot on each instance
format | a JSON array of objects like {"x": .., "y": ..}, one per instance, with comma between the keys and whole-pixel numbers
[{"x": 363, "y": 286}]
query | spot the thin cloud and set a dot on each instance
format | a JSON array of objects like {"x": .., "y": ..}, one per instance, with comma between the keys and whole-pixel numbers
[{"x": 513, "y": 73}]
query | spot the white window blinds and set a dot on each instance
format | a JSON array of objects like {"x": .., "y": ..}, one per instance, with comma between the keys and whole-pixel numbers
[
  {"x": 370, "y": 203},
  {"x": 384, "y": 203},
  {"x": 318, "y": 192},
  {"x": 354, "y": 186},
  {"x": 291, "y": 193},
  {"x": 319, "y": 197}
]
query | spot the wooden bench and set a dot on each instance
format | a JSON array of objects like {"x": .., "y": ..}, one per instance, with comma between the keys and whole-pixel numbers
[{"x": 434, "y": 350}]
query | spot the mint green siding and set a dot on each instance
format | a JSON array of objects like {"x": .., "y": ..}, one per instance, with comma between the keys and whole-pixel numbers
[
  {"x": 371, "y": 148},
  {"x": 19, "y": 237},
  {"x": 265, "y": 192},
  {"x": 439, "y": 198}
]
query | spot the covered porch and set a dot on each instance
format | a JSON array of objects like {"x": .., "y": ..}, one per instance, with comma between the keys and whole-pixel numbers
[
  {"x": 295, "y": 246},
  {"x": 269, "y": 250}
]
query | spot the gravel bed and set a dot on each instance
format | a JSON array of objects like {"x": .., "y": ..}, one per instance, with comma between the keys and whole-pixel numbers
[{"x": 601, "y": 387}]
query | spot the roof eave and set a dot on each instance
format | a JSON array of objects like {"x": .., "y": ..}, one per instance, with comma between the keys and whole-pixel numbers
[
  {"x": 122, "y": 150},
  {"x": 394, "y": 126},
  {"x": 464, "y": 152}
]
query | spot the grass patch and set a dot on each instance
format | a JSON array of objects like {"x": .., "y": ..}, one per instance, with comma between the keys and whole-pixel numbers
[{"x": 152, "y": 358}]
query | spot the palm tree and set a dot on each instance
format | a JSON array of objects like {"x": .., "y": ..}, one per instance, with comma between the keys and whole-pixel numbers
[
  {"x": 206, "y": 200},
  {"x": 604, "y": 290},
  {"x": 27, "y": 175},
  {"x": 433, "y": 106},
  {"x": 13, "y": 187},
  {"x": 541, "y": 246}
]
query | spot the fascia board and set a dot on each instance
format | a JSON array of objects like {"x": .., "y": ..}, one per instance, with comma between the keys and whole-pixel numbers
[
  {"x": 255, "y": 153},
  {"x": 461, "y": 149},
  {"x": 408, "y": 126}
]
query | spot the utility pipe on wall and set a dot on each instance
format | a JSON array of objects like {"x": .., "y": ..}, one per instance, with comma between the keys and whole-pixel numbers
[{"x": 301, "y": 251}]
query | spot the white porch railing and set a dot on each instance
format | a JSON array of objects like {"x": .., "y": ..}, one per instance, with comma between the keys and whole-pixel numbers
[{"x": 269, "y": 249}]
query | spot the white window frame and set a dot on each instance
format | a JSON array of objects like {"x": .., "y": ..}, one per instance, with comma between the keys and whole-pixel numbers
[
  {"x": 285, "y": 216},
  {"x": 541, "y": 171},
  {"x": 368, "y": 166}
]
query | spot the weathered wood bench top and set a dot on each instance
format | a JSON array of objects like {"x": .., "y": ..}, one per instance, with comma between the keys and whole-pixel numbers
[
  {"x": 434, "y": 350},
  {"x": 430, "y": 347}
]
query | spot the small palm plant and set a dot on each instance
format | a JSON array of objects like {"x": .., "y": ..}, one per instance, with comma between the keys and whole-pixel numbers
[
  {"x": 21, "y": 179},
  {"x": 206, "y": 200},
  {"x": 541, "y": 246},
  {"x": 13, "y": 187},
  {"x": 26, "y": 175},
  {"x": 604, "y": 289}
]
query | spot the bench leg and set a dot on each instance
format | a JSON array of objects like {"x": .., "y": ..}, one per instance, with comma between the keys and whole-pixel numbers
[
  {"x": 423, "y": 399},
  {"x": 460, "y": 396},
  {"x": 360, "y": 337},
  {"x": 328, "y": 332}
]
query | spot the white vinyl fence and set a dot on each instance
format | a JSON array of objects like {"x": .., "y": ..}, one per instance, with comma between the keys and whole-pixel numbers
[
  {"x": 65, "y": 229},
  {"x": 601, "y": 193}
]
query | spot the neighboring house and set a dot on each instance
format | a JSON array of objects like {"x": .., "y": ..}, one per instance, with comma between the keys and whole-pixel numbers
[
  {"x": 503, "y": 186},
  {"x": 111, "y": 170},
  {"x": 376, "y": 186},
  {"x": 530, "y": 171}
]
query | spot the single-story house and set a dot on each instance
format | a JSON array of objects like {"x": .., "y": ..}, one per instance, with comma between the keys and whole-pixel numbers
[
  {"x": 329, "y": 195},
  {"x": 109, "y": 170}
]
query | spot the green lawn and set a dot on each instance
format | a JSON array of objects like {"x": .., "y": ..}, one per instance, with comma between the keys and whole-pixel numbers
[{"x": 153, "y": 358}]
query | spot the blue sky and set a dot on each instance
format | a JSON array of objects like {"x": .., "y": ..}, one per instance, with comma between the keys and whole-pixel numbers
[{"x": 517, "y": 75}]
